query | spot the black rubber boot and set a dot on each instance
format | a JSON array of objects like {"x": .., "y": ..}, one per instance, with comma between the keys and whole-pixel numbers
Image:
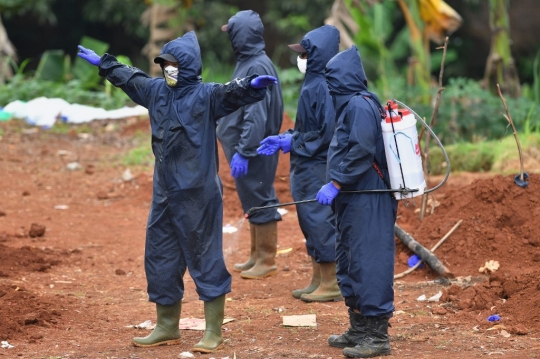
[
  {"x": 214, "y": 312},
  {"x": 239, "y": 267},
  {"x": 352, "y": 336},
  {"x": 375, "y": 343},
  {"x": 166, "y": 331},
  {"x": 315, "y": 281},
  {"x": 328, "y": 289},
  {"x": 266, "y": 241}
]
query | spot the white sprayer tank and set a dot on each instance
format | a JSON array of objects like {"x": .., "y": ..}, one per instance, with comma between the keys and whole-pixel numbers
[{"x": 404, "y": 161}]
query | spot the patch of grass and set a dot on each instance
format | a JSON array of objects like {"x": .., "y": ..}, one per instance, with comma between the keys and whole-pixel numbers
[
  {"x": 484, "y": 156},
  {"x": 140, "y": 156}
]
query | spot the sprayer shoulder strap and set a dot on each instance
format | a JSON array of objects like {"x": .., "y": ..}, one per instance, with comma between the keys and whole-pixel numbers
[
  {"x": 380, "y": 173},
  {"x": 375, "y": 165}
]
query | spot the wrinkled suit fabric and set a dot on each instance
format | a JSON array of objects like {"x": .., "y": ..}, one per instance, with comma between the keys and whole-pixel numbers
[
  {"x": 243, "y": 130},
  {"x": 365, "y": 245},
  {"x": 313, "y": 131},
  {"x": 184, "y": 229}
]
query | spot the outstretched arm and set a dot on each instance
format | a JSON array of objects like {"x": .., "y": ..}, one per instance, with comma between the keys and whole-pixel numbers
[
  {"x": 238, "y": 93},
  {"x": 134, "y": 82}
]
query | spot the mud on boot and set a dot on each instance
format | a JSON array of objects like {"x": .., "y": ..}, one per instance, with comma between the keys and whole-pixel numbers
[
  {"x": 315, "y": 281},
  {"x": 352, "y": 336},
  {"x": 266, "y": 243},
  {"x": 375, "y": 343},
  {"x": 166, "y": 331},
  {"x": 328, "y": 290},
  {"x": 239, "y": 267},
  {"x": 214, "y": 312}
]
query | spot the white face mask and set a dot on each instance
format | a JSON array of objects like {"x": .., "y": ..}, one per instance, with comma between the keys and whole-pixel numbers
[
  {"x": 302, "y": 64},
  {"x": 171, "y": 75}
]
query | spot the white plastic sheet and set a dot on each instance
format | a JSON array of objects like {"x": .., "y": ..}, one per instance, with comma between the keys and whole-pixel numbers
[{"x": 44, "y": 112}]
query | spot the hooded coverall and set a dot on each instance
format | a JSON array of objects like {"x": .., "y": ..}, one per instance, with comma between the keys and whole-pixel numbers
[
  {"x": 185, "y": 223},
  {"x": 365, "y": 222},
  {"x": 313, "y": 131},
  {"x": 243, "y": 130}
]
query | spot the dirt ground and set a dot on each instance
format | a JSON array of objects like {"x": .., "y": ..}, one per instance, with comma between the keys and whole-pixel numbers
[{"x": 72, "y": 282}]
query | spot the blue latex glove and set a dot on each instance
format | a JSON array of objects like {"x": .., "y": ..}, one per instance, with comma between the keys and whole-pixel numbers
[
  {"x": 272, "y": 144},
  {"x": 327, "y": 193},
  {"x": 89, "y": 55},
  {"x": 260, "y": 82},
  {"x": 239, "y": 165}
]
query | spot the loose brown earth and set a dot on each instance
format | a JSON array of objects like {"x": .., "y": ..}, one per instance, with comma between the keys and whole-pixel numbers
[{"x": 72, "y": 280}]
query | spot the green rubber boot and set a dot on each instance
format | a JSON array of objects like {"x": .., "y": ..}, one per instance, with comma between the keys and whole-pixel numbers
[
  {"x": 239, "y": 267},
  {"x": 315, "y": 281},
  {"x": 328, "y": 290},
  {"x": 376, "y": 342},
  {"x": 166, "y": 331},
  {"x": 266, "y": 243},
  {"x": 214, "y": 312}
]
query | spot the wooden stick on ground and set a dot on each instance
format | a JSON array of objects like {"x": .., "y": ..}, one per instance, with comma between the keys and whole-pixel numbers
[
  {"x": 509, "y": 119},
  {"x": 403, "y": 274},
  {"x": 425, "y": 163}
]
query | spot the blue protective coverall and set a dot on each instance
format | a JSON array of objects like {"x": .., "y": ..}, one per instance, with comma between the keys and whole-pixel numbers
[
  {"x": 185, "y": 223},
  {"x": 313, "y": 131},
  {"x": 243, "y": 130},
  {"x": 365, "y": 222}
]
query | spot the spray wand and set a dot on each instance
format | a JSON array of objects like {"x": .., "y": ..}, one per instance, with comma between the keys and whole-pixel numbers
[{"x": 403, "y": 191}]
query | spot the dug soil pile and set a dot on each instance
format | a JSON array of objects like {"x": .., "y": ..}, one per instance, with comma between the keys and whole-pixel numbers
[{"x": 500, "y": 222}]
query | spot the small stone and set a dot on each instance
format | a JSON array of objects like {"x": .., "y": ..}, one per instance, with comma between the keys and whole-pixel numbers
[
  {"x": 119, "y": 272},
  {"x": 102, "y": 195},
  {"x": 439, "y": 311},
  {"x": 36, "y": 230},
  {"x": 26, "y": 193},
  {"x": 2, "y": 213},
  {"x": 90, "y": 169}
]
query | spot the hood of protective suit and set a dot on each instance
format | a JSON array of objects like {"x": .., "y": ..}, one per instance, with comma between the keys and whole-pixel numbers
[
  {"x": 321, "y": 45},
  {"x": 345, "y": 77},
  {"x": 187, "y": 52},
  {"x": 245, "y": 30}
]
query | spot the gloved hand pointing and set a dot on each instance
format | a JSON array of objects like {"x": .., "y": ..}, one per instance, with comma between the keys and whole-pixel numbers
[
  {"x": 263, "y": 81},
  {"x": 239, "y": 165},
  {"x": 89, "y": 55},
  {"x": 272, "y": 144},
  {"x": 327, "y": 193}
]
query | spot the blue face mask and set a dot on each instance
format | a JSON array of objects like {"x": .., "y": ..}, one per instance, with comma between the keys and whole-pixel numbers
[{"x": 171, "y": 75}]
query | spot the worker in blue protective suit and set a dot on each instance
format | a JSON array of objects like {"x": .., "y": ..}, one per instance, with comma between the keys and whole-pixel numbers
[
  {"x": 364, "y": 221},
  {"x": 240, "y": 134},
  {"x": 184, "y": 229},
  {"x": 308, "y": 144}
]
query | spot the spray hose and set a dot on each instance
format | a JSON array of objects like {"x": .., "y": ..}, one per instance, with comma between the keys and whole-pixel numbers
[
  {"x": 403, "y": 191},
  {"x": 438, "y": 142}
]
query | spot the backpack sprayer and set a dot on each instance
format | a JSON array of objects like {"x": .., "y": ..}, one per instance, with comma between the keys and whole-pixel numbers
[{"x": 403, "y": 157}]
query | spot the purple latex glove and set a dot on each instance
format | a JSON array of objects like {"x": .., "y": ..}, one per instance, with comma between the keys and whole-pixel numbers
[
  {"x": 327, "y": 193},
  {"x": 272, "y": 144},
  {"x": 89, "y": 55},
  {"x": 239, "y": 165},
  {"x": 263, "y": 81}
]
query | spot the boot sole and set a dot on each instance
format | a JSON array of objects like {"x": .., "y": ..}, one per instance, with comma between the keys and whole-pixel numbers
[
  {"x": 341, "y": 346},
  {"x": 334, "y": 299},
  {"x": 368, "y": 356},
  {"x": 204, "y": 350},
  {"x": 269, "y": 274},
  {"x": 166, "y": 342}
]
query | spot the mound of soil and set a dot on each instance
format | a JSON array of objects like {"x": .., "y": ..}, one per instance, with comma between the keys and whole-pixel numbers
[{"x": 500, "y": 223}]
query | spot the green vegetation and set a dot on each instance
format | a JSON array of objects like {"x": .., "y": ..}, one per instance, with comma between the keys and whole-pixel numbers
[{"x": 486, "y": 156}]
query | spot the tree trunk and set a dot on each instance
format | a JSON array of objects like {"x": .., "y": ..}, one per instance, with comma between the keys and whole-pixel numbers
[
  {"x": 7, "y": 53},
  {"x": 500, "y": 66}
]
